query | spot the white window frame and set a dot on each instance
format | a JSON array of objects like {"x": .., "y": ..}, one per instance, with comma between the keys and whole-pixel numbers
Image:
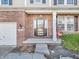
[
  {"x": 65, "y": 23},
  {"x": 70, "y": 23},
  {"x": 35, "y": 2},
  {"x": 60, "y": 4},
  {"x": 65, "y": 3},
  {"x": 71, "y": 4},
  {"x": 4, "y": 4}
]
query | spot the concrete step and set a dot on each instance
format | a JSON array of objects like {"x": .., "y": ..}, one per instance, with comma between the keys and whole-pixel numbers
[{"x": 42, "y": 48}]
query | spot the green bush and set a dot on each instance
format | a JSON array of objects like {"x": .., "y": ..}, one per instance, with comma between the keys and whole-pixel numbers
[{"x": 71, "y": 41}]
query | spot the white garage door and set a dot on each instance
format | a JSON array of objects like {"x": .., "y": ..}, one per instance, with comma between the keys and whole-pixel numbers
[{"x": 8, "y": 33}]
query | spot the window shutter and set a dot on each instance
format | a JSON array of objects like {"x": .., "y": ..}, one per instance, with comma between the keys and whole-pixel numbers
[
  {"x": 76, "y": 23},
  {"x": 31, "y": 1},
  {"x": 75, "y": 2},
  {"x": 55, "y": 2},
  {"x": 10, "y": 2},
  {"x": 43, "y": 1}
]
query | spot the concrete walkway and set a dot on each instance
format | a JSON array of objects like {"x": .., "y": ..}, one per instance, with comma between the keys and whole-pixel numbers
[
  {"x": 65, "y": 58},
  {"x": 24, "y": 56},
  {"x": 42, "y": 48}
]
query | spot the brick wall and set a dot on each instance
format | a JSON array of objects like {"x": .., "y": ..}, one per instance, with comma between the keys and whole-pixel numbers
[
  {"x": 19, "y": 18},
  {"x": 29, "y": 23}
]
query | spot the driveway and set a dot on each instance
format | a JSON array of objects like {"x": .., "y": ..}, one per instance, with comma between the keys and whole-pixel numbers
[
  {"x": 4, "y": 50},
  {"x": 6, "y": 53}
]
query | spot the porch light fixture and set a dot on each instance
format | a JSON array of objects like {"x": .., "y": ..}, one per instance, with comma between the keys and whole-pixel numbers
[{"x": 20, "y": 27}]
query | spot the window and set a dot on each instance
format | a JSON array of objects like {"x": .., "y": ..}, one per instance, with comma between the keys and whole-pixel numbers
[
  {"x": 31, "y": 1},
  {"x": 65, "y": 2},
  {"x": 60, "y": 1},
  {"x": 70, "y": 1},
  {"x": 57, "y": 2},
  {"x": 38, "y": 1},
  {"x": 65, "y": 23},
  {"x": 61, "y": 23},
  {"x": 6, "y": 2},
  {"x": 70, "y": 23},
  {"x": 43, "y": 1}
]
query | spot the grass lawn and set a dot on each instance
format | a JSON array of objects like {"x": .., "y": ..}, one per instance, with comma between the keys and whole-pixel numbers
[{"x": 71, "y": 42}]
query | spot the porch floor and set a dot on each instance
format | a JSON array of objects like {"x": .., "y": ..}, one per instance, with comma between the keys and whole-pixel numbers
[{"x": 41, "y": 40}]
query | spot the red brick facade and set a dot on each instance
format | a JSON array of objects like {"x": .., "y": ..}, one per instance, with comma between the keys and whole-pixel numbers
[
  {"x": 26, "y": 22},
  {"x": 15, "y": 16},
  {"x": 29, "y": 24}
]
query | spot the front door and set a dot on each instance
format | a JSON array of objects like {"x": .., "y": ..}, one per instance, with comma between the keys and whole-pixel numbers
[{"x": 40, "y": 27}]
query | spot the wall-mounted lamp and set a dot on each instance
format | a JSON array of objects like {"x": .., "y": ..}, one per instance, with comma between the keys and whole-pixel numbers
[{"x": 20, "y": 26}]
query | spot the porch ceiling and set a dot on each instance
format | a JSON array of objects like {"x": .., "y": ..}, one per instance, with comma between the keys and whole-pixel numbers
[{"x": 51, "y": 11}]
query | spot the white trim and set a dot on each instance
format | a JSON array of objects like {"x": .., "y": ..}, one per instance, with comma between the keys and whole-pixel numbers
[
  {"x": 65, "y": 23},
  {"x": 50, "y": 2},
  {"x": 25, "y": 3},
  {"x": 65, "y": 3},
  {"x": 0, "y": 2},
  {"x": 54, "y": 26}
]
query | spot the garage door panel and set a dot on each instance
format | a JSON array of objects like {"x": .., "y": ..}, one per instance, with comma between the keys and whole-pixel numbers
[{"x": 7, "y": 33}]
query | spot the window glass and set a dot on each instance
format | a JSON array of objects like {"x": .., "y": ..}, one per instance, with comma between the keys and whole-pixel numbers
[
  {"x": 65, "y": 23},
  {"x": 70, "y": 1},
  {"x": 55, "y": 2},
  {"x": 61, "y": 23},
  {"x": 10, "y": 2},
  {"x": 70, "y": 23},
  {"x": 60, "y": 1},
  {"x": 38, "y": 1},
  {"x": 4, "y": 1},
  {"x": 61, "y": 27},
  {"x": 31, "y": 1},
  {"x": 75, "y": 2},
  {"x": 44, "y": 1},
  {"x": 70, "y": 27}
]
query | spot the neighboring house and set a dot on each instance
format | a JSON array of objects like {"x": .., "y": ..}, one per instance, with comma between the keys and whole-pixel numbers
[{"x": 23, "y": 19}]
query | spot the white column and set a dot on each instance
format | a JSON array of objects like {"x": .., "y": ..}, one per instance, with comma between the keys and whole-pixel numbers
[
  {"x": 0, "y": 2},
  {"x": 54, "y": 26},
  {"x": 50, "y": 2}
]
